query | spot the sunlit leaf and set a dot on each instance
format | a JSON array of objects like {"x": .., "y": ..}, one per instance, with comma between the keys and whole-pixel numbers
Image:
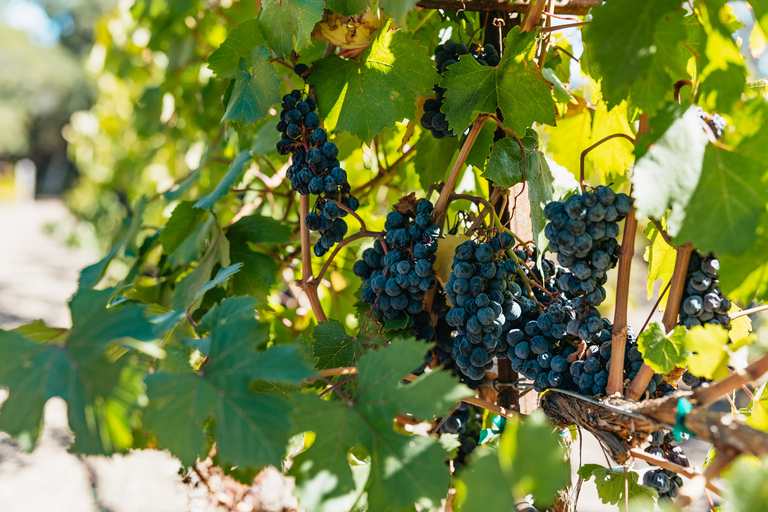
[
  {"x": 660, "y": 352},
  {"x": 515, "y": 86},
  {"x": 376, "y": 91}
]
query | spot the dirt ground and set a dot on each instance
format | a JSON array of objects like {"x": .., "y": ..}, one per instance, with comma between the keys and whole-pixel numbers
[{"x": 38, "y": 274}]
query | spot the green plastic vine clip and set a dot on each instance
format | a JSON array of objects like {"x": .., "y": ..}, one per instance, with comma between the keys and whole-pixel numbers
[{"x": 684, "y": 406}]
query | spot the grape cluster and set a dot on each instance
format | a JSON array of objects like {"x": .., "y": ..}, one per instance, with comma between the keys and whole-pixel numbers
[
  {"x": 484, "y": 298},
  {"x": 396, "y": 280},
  {"x": 715, "y": 122},
  {"x": 466, "y": 421},
  {"x": 543, "y": 353},
  {"x": 315, "y": 169},
  {"x": 582, "y": 232},
  {"x": 448, "y": 53},
  {"x": 666, "y": 483},
  {"x": 702, "y": 301}
]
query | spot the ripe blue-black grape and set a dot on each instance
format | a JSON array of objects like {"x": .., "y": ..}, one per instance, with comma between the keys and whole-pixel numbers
[
  {"x": 315, "y": 168},
  {"x": 665, "y": 482},
  {"x": 466, "y": 421},
  {"x": 702, "y": 301}
]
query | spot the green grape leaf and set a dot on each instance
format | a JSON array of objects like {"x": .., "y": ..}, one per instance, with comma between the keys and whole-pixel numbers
[
  {"x": 482, "y": 485},
  {"x": 744, "y": 277},
  {"x": 610, "y": 486},
  {"x": 102, "y": 394},
  {"x": 515, "y": 87},
  {"x": 661, "y": 262},
  {"x": 433, "y": 158},
  {"x": 660, "y": 352},
  {"x": 529, "y": 460},
  {"x": 222, "y": 276},
  {"x": 398, "y": 9},
  {"x": 376, "y": 91},
  {"x": 265, "y": 141},
  {"x": 253, "y": 93},
  {"x": 745, "y": 489},
  {"x": 708, "y": 352},
  {"x": 532, "y": 458},
  {"x": 634, "y": 47},
  {"x": 187, "y": 290},
  {"x": 756, "y": 412},
  {"x": 40, "y": 332},
  {"x": 505, "y": 165},
  {"x": 723, "y": 75},
  {"x": 413, "y": 465},
  {"x": 192, "y": 248},
  {"x": 546, "y": 184},
  {"x": 714, "y": 202},
  {"x": 677, "y": 142},
  {"x": 348, "y": 7},
  {"x": 334, "y": 348},
  {"x": 562, "y": 95},
  {"x": 239, "y": 43},
  {"x": 724, "y": 211},
  {"x": 260, "y": 270},
  {"x": 287, "y": 24},
  {"x": 229, "y": 180},
  {"x": 395, "y": 324},
  {"x": 126, "y": 239},
  {"x": 259, "y": 229},
  {"x": 481, "y": 149},
  {"x": 183, "y": 222},
  {"x": 251, "y": 429}
]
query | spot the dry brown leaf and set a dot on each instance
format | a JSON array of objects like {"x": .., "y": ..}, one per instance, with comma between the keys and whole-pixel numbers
[{"x": 352, "y": 35}]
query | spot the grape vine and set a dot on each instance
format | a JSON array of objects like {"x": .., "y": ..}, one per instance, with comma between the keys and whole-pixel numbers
[{"x": 440, "y": 350}]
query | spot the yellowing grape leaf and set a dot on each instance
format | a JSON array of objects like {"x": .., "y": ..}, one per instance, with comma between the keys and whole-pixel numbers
[
  {"x": 708, "y": 354},
  {"x": 740, "y": 327},
  {"x": 446, "y": 248},
  {"x": 756, "y": 412},
  {"x": 571, "y": 136},
  {"x": 612, "y": 158},
  {"x": 661, "y": 262}
]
